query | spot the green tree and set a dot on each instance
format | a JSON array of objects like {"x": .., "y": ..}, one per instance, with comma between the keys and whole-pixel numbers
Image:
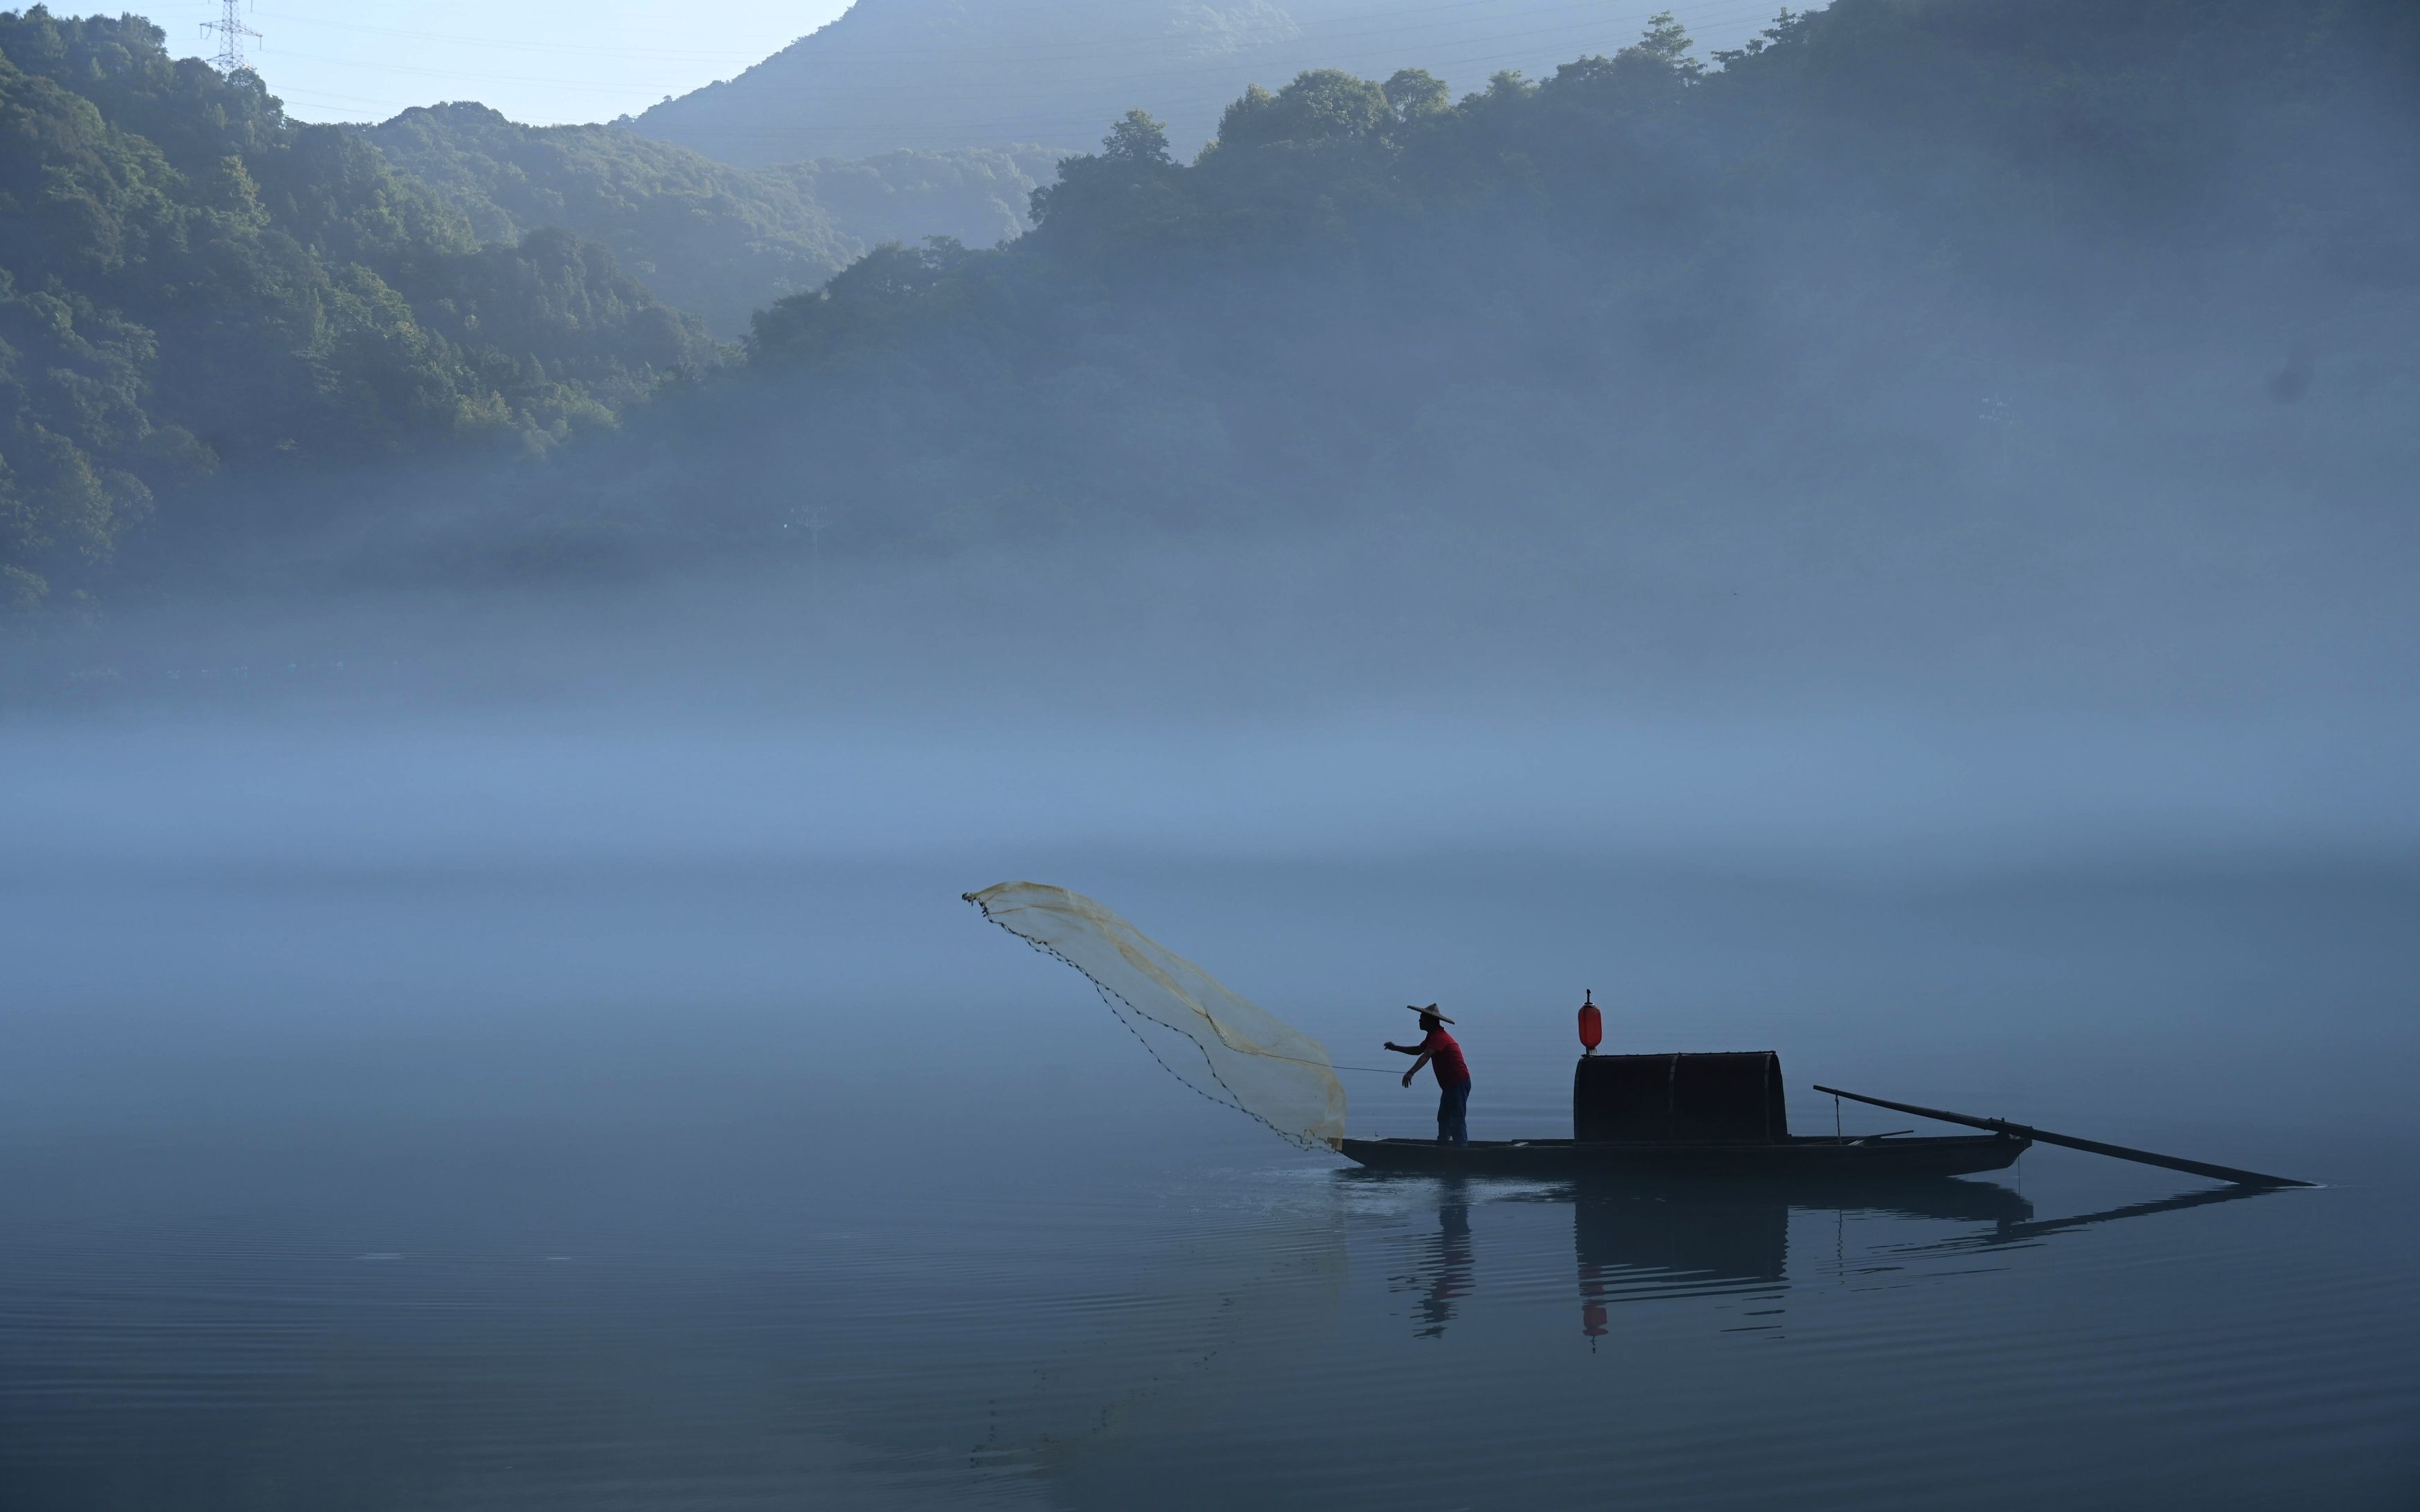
[
  {"x": 1667, "y": 43},
  {"x": 1322, "y": 105},
  {"x": 1137, "y": 137},
  {"x": 1126, "y": 184},
  {"x": 1414, "y": 93}
]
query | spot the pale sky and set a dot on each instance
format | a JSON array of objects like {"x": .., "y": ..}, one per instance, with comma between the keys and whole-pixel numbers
[{"x": 540, "y": 61}]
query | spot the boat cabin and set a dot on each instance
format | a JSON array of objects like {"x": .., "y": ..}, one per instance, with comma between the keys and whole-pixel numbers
[{"x": 1728, "y": 1098}]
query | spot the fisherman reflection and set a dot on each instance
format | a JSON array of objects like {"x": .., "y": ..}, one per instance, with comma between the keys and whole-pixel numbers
[{"x": 1442, "y": 1265}]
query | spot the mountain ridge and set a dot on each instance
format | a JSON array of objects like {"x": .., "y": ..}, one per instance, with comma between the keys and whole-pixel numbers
[{"x": 944, "y": 73}]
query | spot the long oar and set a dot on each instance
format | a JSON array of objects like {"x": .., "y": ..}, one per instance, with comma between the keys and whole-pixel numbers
[{"x": 2174, "y": 1162}]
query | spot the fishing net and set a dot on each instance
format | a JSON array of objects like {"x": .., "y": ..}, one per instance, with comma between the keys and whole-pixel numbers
[{"x": 1250, "y": 1060}]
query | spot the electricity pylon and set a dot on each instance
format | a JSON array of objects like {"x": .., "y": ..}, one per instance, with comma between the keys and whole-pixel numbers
[{"x": 232, "y": 31}]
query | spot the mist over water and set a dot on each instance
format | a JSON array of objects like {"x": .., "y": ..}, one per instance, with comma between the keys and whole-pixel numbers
[{"x": 418, "y": 1101}]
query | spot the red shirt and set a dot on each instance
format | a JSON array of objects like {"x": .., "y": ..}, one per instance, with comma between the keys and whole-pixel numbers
[{"x": 1445, "y": 1058}]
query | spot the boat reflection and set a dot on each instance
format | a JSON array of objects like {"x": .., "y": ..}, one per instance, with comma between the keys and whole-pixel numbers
[
  {"x": 1636, "y": 1242},
  {"x": 2023, "y": 1233}
]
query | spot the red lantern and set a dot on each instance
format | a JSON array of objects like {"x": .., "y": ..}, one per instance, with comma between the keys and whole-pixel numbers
[{"x": 1591, "y": 1023}]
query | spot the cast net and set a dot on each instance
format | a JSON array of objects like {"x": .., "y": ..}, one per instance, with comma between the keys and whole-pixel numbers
[{"x": 1249, "y": 1059}]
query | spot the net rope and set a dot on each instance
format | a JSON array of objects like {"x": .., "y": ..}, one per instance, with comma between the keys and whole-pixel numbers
[{"x": 1251, "y": 1060}]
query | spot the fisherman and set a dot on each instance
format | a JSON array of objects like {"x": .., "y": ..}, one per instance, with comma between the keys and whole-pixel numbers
[{"x": 1438, "y": 1049}]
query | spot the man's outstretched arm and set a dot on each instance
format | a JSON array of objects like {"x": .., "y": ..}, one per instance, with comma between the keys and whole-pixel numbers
[{"x": 1416, "y": 1068}]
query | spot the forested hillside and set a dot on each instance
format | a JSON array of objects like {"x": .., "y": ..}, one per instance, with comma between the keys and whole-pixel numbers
[
  {"x": 716, "y": 240},
  {"x": 942, "y": 74},
  {"x": 2004, "y": 274},
  {"x": 192, "y": 284}
]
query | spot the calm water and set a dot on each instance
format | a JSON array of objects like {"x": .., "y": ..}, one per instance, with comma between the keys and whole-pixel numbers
[{"x": 614, "y": 1185}]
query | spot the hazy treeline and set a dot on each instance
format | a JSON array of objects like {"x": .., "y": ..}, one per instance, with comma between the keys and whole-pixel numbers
[
  {"x": 979, "y": 196},
  {"x": 1890, "y": 251},
  {"x": 707, "y": 238}
]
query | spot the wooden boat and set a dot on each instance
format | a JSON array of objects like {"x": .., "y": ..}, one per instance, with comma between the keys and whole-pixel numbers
[
  {"x": 1820, "y": 1157},
  {"x": 1722, "y": 1116},
  {"x": 1696, "y": 1116}
]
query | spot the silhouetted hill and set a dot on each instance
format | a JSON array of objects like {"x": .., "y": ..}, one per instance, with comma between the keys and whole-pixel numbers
[
  {"x": 944, "y": 73},
  {"x": 1894, "y": 252}
]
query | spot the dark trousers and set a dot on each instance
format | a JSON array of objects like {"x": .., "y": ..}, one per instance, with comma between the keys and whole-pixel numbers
[{"x": 1453, "y": 1102}]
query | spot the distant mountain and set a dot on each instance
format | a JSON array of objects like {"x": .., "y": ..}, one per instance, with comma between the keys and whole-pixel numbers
[
  {"x": 716, "y": 240},
  {"x": 946, "y": 73},
  {"x": 980, "y": 195},
  {"x": 713, "y": 240}
]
